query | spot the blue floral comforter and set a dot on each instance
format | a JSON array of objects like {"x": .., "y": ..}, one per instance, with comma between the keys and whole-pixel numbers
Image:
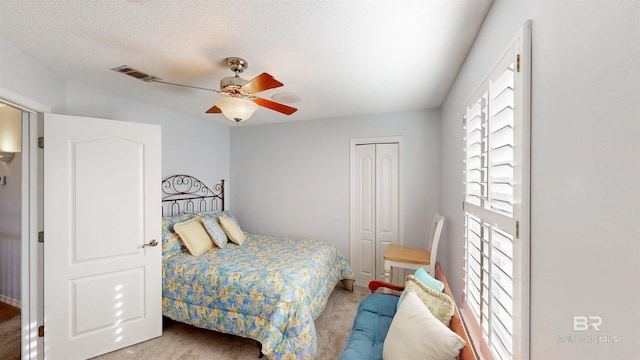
[{"x": 268, "y": 289}]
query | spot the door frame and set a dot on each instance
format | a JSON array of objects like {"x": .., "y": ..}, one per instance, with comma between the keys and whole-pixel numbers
[
  {"x": 31, "y": 281},
  {"x": 352, "y": 185}
]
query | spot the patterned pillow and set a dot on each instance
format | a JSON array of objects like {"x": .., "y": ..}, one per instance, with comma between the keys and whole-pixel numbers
[
  {"x": 215, "y": 231},
  {"x": 440, "y": 304},
  {"x": 427, "y": 280},
  {"x": 169, "y": 244},
  {"x": 214, "y": 214},
  {"x": 172, "y": 243}
]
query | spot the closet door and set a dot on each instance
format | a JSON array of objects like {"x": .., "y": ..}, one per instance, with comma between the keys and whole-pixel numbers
[
  {"x": 364, "y": 260},
  {"x": 386, "y": 201},
  {"x": 376, "y": 208}
]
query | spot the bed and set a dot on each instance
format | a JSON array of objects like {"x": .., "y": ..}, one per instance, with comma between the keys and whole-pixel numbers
[{"x": 268, "y": 289}]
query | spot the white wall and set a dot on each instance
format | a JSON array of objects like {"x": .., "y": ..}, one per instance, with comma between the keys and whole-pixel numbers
[
  {"x": 293, "y": 179},
  {"x": 585, "y": 211},
  {"x": 25, "y": 78},
  {"x": 190, "y": 145}
]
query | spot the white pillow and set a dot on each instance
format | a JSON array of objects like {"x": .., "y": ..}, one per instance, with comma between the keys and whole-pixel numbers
[
  {"x": 194, "y": 236},
  {"x": 416, "y": 334},
  {"x": 232, "y": 229}
]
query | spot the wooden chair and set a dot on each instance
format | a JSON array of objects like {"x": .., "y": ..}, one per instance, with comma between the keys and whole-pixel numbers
[{"x": 415, "y": 258}]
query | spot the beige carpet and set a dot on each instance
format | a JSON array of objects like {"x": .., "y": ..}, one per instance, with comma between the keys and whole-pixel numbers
[{"x": 185, "y": 342}]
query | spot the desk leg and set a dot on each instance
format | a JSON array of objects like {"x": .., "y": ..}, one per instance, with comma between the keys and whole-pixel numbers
[{"x": 387, "y": 271}]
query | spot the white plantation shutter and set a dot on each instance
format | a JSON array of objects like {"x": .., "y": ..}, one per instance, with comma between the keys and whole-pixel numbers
[
  {"x": 476, "y": 184},
  {"x": 500, "y": 135},
  {"x": 496, "y": 207},
  {"x": 476, "y": 257}
]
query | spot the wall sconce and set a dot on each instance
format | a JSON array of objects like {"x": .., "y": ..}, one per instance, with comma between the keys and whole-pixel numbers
[
  {"x": 10, "y": 132},
  {"x": 6, "y": 156}
]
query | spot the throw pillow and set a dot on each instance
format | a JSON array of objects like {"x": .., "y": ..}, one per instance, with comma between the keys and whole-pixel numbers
[
  {"x": 229, "y": 214},
  {"x": 426, "y": 279},
  {"x": 168, "y": 245},
  {"x": 171, "y": 243},
  {"x": 232, "y": 229},
  {"x": 214, "y": 230},
  {"x": 194, "y": 236},
  {"x": 440, "y": 304},
  {"x": 416, "y": 334}
]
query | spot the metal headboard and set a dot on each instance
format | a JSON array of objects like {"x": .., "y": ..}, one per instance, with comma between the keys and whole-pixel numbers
[{"x": 186, "y": 194}]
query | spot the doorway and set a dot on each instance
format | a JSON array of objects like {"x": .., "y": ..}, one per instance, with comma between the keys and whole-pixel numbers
[
  {"x": 376, "y": 204},
  {"x": 31, "y": 223},
  {"x": 10, "y": 230},
  {"x": 27, "y": 201}
]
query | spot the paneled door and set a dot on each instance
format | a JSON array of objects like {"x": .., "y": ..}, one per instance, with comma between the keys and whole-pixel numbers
[
  {"x": 375, "y": 208},
  {"x": 102, "y": 280}
]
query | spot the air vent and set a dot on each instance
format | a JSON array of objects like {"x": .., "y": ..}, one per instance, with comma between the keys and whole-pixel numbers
[{"x": 124, "y": 69}]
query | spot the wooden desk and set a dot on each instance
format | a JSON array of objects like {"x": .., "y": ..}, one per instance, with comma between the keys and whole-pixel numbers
[{"x": 404, "y": 257}]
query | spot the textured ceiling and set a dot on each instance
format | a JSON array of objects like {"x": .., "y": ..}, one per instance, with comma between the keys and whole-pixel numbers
[{"x": 342, "y": 58}]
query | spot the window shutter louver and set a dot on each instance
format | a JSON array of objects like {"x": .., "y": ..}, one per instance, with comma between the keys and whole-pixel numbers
[
  {"x": 476, "y": 181},
  {"x": 501, "y": 102},
  {"x": 474, "y": 260}
]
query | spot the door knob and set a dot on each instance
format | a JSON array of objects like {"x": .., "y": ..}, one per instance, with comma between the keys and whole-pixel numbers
[{"x": 151, "y": 243}]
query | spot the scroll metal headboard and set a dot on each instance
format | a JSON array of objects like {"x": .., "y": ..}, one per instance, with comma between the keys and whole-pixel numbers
[{"x": 186, "y": 194}]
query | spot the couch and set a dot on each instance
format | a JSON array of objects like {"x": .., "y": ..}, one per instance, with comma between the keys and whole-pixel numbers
[{"x": 375, "y": 315}]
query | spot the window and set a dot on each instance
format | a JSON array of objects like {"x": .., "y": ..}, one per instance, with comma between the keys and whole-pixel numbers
[{"x": 496, "y": 206}]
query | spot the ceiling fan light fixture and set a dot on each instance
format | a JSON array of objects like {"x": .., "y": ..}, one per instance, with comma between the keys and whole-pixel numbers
[{"x": 236, "y": 108}]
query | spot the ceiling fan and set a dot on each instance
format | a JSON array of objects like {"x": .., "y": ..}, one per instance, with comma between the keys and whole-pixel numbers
[{"x": 240, "y": 102}]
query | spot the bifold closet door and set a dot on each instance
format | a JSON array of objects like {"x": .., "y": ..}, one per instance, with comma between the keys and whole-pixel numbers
[
  {"x": 387, "y": 194},
  {"x": 376, "y": 172}
]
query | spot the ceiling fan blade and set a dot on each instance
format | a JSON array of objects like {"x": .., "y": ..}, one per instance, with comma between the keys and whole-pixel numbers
[
  {"x": 261, "y": 82},
  {"x": 214, "y": 110},
  {"x": 287, "y": 110},
  {"x": 187, "y": 86}
]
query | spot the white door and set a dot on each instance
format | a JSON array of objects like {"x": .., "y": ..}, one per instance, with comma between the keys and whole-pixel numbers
[
  {"x": 375, "y": 190},
  {"x": 102, "y": 288},
  {"x": 386, "y": 202},
  {"x": 364, "y": 259}
]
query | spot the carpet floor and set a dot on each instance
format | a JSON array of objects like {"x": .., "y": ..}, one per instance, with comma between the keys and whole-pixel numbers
[{"x": 185, "y": 342}]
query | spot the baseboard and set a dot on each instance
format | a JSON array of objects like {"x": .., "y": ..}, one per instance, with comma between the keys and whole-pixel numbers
[{"x": 7, "y": 300}]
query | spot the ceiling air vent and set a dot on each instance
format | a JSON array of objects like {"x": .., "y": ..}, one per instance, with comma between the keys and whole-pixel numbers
[{"x": 124, "y": 69}]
